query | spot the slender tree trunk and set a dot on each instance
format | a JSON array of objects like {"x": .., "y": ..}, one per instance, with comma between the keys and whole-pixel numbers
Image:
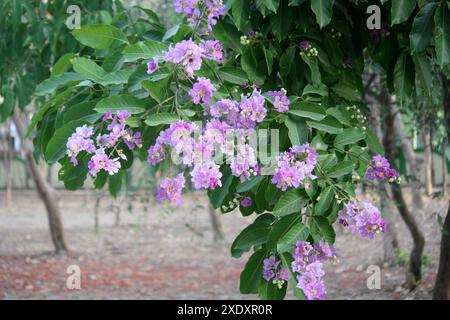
[
  {"x": 428, "y": 162},
  {"x": 444, "y": 170},
  {"x": 45, "y": 191},
  {"x": 414, "y": 274},
  {"x": 7, "y": 150},
  {"x": 442, "y": 286},
  {"x": 215, "y": 223}
]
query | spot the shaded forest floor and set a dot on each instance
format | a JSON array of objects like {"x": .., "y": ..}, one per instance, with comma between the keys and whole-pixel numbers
[{"x": 161, "y": 253}]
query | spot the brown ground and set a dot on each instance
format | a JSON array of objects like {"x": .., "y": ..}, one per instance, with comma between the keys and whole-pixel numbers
[{"x": 165, "y": 254}]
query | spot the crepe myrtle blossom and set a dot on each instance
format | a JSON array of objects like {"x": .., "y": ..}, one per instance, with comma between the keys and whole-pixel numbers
[
  {"x": 152, "y": 65},
  {"x": 246, "y": 202},
  {"x": 101, "y": 161},
  {"x": 280, "y": 100},
  {"x": 308, "y": 264},
  {"x": 294, "y": 166},
  {"x": 170, "y": 189},
  {"x": 206, "y": 175},
  {"x": 213, "y": 50},
  {"x": 202, "y": 91},
  {"x": 244, "y": 164},
  {"x": 362, "y": 218},
  {"x": 79, "y": 141},
  {"x": 186, "y": 53},
  {"x": 196, "y": 9},
  {"x": 273, "y": 272},
  {"x": 253, "y": 107},
  {"x": 381, "y": 170}
]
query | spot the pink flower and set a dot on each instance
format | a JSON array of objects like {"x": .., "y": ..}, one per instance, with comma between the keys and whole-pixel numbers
[
  {"x": 186, "y": 53},
  {"x": 170, "y": 189},
  {"x": 152, "y": 66},
  {"x": 101, "y": 161},
  {"x": 281, "y": 102},
  {"x": 202, "y": 91},
  {"x": 206, "y": 175},
  {"x": 213, "y": 50}
]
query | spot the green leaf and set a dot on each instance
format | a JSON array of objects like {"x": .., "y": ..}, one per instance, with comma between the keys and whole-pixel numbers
[
  {"x": 218, "y": 195},
  {"x": 308, "y": 110},
  {"x": 325, "y": 229},
  {"x": 297, "y": 232},
  {"x": 297, "y": 130},
  {"x": 325, "y": 199},
  {"x": 159, "y": 90},
  {"x": 401, "y": 10},
  {"x": 280, "y": 228},
  {"x": 313, "y": 65},
  {"x": 340, "y": 169},
  {"x": 267, "y": 290},
  {"x": 404, "y": 76},
  {"x": 228, "y": 35},
  {"x": 249, "y": 184},
  {"x": 373, "y": 142},
  {"x": 323, "y": 9},
  {"x": 286, "y": 259},
  {"x": 271, "y": 5},
  {"x": 241, "y": 13},
  {"x": 56, "y": 147},
  {"x": 117, "y": 77},
  {"x": 423, "y": 71},
  {"x": 50, "y": 85},
  {"x": 346, "y": 91},
  {"x": 88, "y": 69},
  {"x": 161, "y": 118},
  {"x": 251, "y": 276},
  {"x": 115, "y": 183},
  {"x": 349, "y": 136},
  {"x": 422, "y": 29},
  {"x": 233, "y": 75},
  {"x": 99, "y": 36},
  {"x": 281, "y": 21},
  {"x": 328, "y": 124},
  {"x": 144, "y": 50},
  {"x": 442, "y": 34},
  {"x": 121, "y": 102},
  {"x": 291, "y": 201},
  {"x": 82, "y": 111},
  {"x": 253, "y": 235},
  {"x": 63, "y": 64},
  {"x": 253, "y": 63}
]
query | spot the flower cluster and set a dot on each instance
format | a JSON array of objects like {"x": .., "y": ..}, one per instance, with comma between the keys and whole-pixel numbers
[
  {"x": 272, "y": 271},
  {"x": 280, "y": 100},
  {"x": 308, "y": 49},
  {"x": 202, "y": 91},
  {"x": 243, "y": 115},
  {"x": 294, "y": 166},
  {"x": 186, "y": 53},
  {"x": 308, "y": 264},
  {"x": 362, "y": 218},
  {"x": 195, "y": 9},
  {"x": 170, "y": 189},
  {"x": 381, "y": 170},
  {"x": 117, "y": 131}
]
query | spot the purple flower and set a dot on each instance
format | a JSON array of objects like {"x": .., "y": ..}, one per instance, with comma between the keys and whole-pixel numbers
[
  {"x": 246, "y": 202},
  {"x": 281, "y": 102},
  {"x": 362, "y": 218},
  {"x": 272, "y": 271},
  {"x": 132, "y": 139},
  {"x": 156, "y": 153},
  {"x": 251, "y": 34},
  {"x": 152, "y": 66},
  {"x": 206, "y": 176},
  {"x": 244, "y": 164},
  {"x": 213, "y": 50},
  {"x": 101, "y": 161},
  {"x": 79, "y": 141},
  {"x": 315, "y": 291},
  {"x": 224, "y": 107},
  {"x": 294, "y": 166},
  {"x": 170, "y": 189},
  {"x": 107, "y": 116},
  {"x": 186, "y": 53},
  {"x": 202, "y": 91},
  {"x": 381, "y": 170},
  {"x": 304, "y": 45}
]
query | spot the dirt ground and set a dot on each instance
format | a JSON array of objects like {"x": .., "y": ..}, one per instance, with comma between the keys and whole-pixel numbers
[{"x": 161, "y": 253}]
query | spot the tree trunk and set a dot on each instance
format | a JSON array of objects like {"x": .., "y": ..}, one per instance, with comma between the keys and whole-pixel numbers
[
  {"x": 45, "y": 191},
  {"x": 7, "y": 152},
  {"x": 442, "y": 286},
  {"x": 215, "y": 223},
  {"x": 444, "y": 170},
  {"x": 428, "y": 162},
  {"x": 414, "y": 274}
]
